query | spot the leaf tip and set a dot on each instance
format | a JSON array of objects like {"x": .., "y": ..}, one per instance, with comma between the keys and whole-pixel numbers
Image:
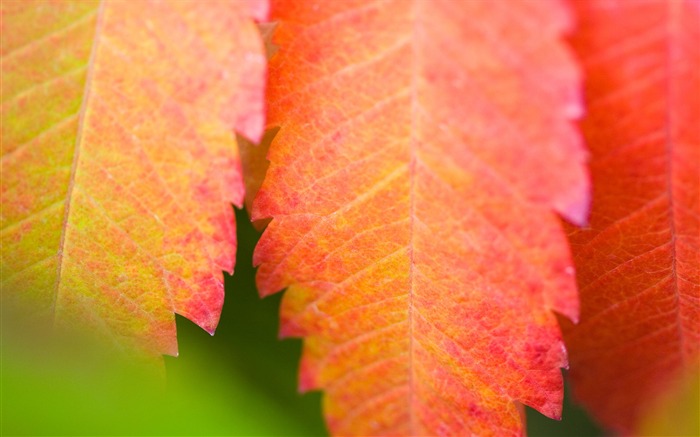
[
  {"x": 284, "y": 332},
  {"x": 251, "y": 126},
  {"x": 553, "y": 410},
  {"x": 305, "y": 384},
  {"x": 576, "y": 207}
]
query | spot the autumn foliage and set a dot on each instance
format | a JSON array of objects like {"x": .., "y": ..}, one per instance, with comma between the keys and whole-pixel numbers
[
  {"x": 638, "y": 261},
  {"x": 118, "y": 171},
  {"x": 460, "y": 198}
]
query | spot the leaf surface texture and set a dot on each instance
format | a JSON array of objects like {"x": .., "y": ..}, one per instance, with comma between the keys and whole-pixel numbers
[
  {"x": 413, "y": 186},
  {"x": 119, "y": 160},
  {"x": 639, "y": 261}
]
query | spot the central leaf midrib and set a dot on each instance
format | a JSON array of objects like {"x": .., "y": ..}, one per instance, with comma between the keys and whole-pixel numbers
[
  {"x": 413, "y": 151},
  {"x": 76, "y": 156},
  {"x": 673, "y": 15}
]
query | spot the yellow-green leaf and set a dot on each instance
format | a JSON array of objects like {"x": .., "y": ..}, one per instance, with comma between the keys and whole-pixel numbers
[{"x": 119, "y": 158}]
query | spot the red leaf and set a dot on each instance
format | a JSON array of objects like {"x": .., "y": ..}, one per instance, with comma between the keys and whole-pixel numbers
[
  {"x": 423, "y": 149},
  {"x": 638, "y": 263}
]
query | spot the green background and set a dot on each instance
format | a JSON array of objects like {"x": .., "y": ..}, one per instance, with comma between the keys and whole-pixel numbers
[{"x": 242, "y": 381}]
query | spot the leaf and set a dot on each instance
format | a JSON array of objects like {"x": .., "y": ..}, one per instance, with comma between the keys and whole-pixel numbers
[
  {"x": 412, "y": 187},
  {"x": 119, "y": 159},
  {"x": 638, "y": 262}
]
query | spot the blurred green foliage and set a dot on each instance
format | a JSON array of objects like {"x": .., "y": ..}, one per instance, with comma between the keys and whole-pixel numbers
[{"x": 242, "y": 381}]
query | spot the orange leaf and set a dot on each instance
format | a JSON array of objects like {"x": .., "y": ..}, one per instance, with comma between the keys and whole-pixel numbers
[
  {"x": 638, "y": 263},
  {"x": 423, "y": 148},
  {"x": 119, "y": 159}
]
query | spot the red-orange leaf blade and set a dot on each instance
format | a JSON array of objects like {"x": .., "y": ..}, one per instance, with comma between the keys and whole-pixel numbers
[
  {"x": 639, "y": 262},
  {"x": 412, "y": 186},
  {"x": 119, "y": 159}
]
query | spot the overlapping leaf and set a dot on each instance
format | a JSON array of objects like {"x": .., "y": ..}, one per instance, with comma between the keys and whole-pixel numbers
[
  {"x": 119, "y": 161},
  {"x": 423, "y": 150},
  {"x": 639, "y": 261}
]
